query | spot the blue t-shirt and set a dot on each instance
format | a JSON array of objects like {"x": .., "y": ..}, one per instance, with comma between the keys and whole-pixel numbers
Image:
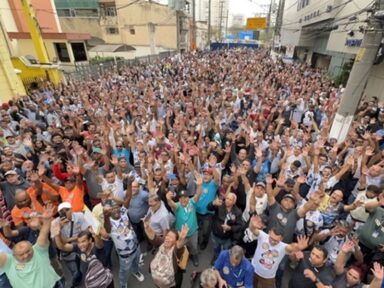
[
  {"x": 239, "y": 276},
  {"x": 206, "y": 197},
  {"x": 123, "y": 153},
  {"x": 186, "y": 215},
  {"x": 138, "y": 207}
]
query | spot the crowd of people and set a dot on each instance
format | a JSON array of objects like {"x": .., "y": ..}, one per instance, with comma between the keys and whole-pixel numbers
[{"x": 226, "y": 150}]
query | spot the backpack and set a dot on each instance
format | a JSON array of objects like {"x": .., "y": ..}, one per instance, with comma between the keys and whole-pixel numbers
[{"x": 97, "y": 275}]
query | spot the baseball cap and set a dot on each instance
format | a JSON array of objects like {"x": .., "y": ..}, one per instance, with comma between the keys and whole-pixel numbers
[
  {"x": 290, "y": 196},
  {"x": 10, "y": 172},
  {"x": 64, "y": 205},
  {"x": 260, "y": 184},
  {"x": 208, "y": 170},
  {"x": 140, "y": 141},
  {"x": 183, "y": 193}
]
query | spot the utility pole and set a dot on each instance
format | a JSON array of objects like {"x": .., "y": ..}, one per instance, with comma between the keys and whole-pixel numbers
[
  {"x": 209, "y": 24},
  {"x": 279, "y": 21},
  {"x": 221, "y": 6},
  {"x": 358, "y": 77},
  {"x": 269, "y": 16},
  {"x": 193, "y": 24},
  {"x": 226, "y": 24}
]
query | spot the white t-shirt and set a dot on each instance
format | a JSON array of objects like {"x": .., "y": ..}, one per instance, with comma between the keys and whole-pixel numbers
[
  {"x": 122, "y": 234},
  {"x": 116, "y": 187},
  {"x": 267, "y": 257},
  {"x": 261, "y": 205},
  {"x": 161, "y": 220}
]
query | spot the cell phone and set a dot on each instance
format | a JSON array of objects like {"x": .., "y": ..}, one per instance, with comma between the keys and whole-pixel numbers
[
  {"x": 109, "y": 203},
  {"x": 62, "y": 215}
]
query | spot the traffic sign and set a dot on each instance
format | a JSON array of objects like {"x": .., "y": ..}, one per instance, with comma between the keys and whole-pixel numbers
[{"x": 256, "y": 23}]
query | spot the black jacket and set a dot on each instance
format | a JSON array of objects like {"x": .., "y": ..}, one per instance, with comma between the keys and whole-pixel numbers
[{"x": 233, "y": 218}]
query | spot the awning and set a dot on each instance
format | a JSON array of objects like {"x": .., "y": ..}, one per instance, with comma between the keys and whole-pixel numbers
[{"x": 112, "y": 48}]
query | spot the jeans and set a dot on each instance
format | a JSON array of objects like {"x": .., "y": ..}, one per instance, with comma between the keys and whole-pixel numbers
[
  {"x": 192, "y": 243},
  {"x": 74, "y": 267},
  {"x": 204, "y": 222},
  {"x": 4, "y": 282},
  {"x": 220, "y": 244},
  {"x": 108, "y": 246},
  {"x": 128, "y": 265}
]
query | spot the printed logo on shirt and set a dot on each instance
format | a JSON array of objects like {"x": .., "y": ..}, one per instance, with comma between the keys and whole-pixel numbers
[{"x": 268, "y": 256}]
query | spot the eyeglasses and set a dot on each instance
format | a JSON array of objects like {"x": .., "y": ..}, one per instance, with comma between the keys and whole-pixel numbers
[{"x": 119, "y": 146}]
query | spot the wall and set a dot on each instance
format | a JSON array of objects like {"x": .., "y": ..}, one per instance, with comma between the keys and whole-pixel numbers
[
  {"x": 81, "y": 25},
  {"x": 375, "y": 85},
  {"x": 44, "y": 11},
  {"x": 139, "y": 15},
  {"x": 25, "y": 47}
]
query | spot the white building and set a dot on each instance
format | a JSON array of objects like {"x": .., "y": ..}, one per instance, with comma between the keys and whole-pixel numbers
[{"x": 327, "y": 34}]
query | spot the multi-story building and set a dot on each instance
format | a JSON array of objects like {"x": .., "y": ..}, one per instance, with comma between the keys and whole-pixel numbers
[
  {"x": 328, "y": 34},
  {"x": 136, "y": 23}
]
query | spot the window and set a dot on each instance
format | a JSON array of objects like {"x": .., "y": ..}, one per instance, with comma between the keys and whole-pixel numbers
[
  {"x": 66, "y": 12},
  {"x": 62, "y": 52},
  {"x": 132, "y": 30},
  {"x": 87, "y": 13},
  {"x": 302, "y": 4},
  {"x": 112, "y": 30},
  {"x": 110, "y": 11},
  {"x": 79, "y": 52}
]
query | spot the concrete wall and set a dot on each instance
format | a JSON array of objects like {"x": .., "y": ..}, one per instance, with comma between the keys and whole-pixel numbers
[
  {"x": 81, "y": 25},
  {"x": 138, "y": 16},
  {"x": 375, "y": 85}
]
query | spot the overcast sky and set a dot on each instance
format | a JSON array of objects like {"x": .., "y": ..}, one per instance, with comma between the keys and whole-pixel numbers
[{"x": 246, "y": 7}]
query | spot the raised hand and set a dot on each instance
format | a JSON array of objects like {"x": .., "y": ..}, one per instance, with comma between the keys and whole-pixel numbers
[
  {"x": 169, "y": 195},
  {"x": 348, "y": 246},
  {"x": 41, "y": 169},
  {"x": 302, "y": 242},
  {"x": 183, "y": 232},
  {"x": 269, "y": 179},
  {"x": 378, "y": 271},
  {"x": 217, "y": 202},
  {"x": 199, "y": 180}
]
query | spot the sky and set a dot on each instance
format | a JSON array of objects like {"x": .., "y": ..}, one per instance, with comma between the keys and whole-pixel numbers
[{"x": 247, "y": 8}]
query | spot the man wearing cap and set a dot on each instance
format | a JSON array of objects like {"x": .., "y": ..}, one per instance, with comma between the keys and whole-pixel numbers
[
  {"x": 256, "y": 200},
  {"x": 204, "y": 216},
  {"x": 185, "y": 213},
  {"x": 285, "y": 215},
  {"x": 72, "y": 224},
  {"x": 12, "y": 183}
]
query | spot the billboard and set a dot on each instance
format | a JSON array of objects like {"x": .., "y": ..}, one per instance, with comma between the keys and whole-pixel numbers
[
  {"x": 256, "y": 23},
  {"x": 246, "y": 35}
]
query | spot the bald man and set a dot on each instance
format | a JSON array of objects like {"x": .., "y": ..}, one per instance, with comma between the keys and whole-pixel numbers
[
  {"x": 29, "y": 265},
  {"x": 24, "y": 209},
  {"x": 227, "y": 223}
]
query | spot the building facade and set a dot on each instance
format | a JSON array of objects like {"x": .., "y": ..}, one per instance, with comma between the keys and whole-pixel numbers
[
  {"x": 66, "y": 48},
  {"x": 327, "y": 34},
  {"x": 140, "y": 23}
]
